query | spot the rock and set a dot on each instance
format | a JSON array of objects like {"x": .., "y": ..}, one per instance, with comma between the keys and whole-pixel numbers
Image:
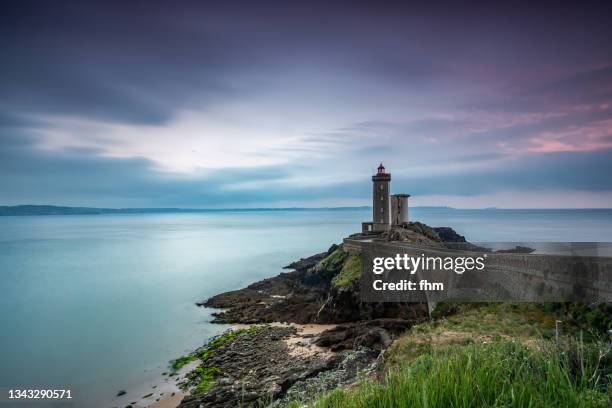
[
  {"x": 247, "y": 358},
  {"x": 409, "y": 235},
  {"x": 375, "y": 338},
  {"x": 351, "y": 365},
  {"x": 448, "y": 234},
  {"x": 121, "y": 392},
  {"x": 516, "y": 250},
  {"x": 311, "y": 261},
  {"x": 374, "y": 334},
  {"x": 225, "y": 381},
  {"x": 307, "y": 297}
]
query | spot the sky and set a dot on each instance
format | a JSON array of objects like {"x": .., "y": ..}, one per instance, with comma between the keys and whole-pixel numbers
[{"x": 280, "y": 104}]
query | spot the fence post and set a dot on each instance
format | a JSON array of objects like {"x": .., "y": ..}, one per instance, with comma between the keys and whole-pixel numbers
[{"x": 558, "y": 324}]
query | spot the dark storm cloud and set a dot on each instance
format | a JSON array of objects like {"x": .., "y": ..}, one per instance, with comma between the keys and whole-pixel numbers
[
  {"x": 140, "y": 61},
  {"x": 119, "y": 61}
]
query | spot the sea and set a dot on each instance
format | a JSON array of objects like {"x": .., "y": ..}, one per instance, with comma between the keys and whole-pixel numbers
[{"x": 102, "y": 303}]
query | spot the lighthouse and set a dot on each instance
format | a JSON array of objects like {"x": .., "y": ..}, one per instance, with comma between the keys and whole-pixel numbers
[
  {"x": 387, "y": 210},
  {"x": 381, "y": 211}
]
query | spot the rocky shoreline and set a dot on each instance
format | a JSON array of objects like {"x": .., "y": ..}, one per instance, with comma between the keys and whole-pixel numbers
[
  {"x": 312, "y": 293},
  {"x": 276, "y": 360}
]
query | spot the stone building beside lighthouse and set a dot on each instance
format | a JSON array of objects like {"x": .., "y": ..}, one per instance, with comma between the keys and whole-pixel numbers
[{"x": 387, "y": 210}]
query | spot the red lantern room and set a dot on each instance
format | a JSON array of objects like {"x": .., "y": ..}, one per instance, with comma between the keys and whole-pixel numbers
[{"x": 381, "y": 169}]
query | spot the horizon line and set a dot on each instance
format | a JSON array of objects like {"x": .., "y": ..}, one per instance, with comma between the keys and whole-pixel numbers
[{"x": 54, "y": 206}]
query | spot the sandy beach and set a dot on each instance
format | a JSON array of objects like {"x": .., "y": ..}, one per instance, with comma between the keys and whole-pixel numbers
[{"x": 172, "y": 401}]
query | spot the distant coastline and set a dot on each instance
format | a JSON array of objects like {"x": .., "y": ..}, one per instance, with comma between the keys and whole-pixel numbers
[
  {"x": 29, "y": 210},
  {"x": 64, "y": 210},
  {"x": 61, "y": 210}
]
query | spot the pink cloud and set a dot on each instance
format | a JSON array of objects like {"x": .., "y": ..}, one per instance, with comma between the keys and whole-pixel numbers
[{"x": 594, "y": 136}]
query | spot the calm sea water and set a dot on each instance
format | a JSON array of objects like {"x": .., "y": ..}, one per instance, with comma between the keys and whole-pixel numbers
[{"x": 102, "y": 303}]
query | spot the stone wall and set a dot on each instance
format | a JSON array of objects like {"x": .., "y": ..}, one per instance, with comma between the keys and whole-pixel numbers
[{"x": 506, "y": 277}]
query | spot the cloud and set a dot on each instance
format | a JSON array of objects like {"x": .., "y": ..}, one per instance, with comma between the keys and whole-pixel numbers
[
  {"x": 79, "y": 176},
  {"x": 569, "y": 171},
  {"x": 83, "y": 177},
  {"x": 114, "y": 103}
]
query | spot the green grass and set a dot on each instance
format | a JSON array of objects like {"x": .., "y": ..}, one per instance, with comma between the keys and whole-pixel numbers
[
  {"x": 500, "y": 373},
  {"x": 351, "y": 271},
  {"x": 582, "y": 316},
  {"x": 528, "y": 323},
  {"x": 526, "y": 319},
  {"x": 484, "y": 355},
  {"x": 513, "y": 319}
]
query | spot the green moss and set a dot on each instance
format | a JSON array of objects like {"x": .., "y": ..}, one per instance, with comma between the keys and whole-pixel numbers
[
  {"x": 351, "y": 271},
  {"x": 183, "y": 361},
  {"x": 208, "y": 378},
  {"x": 334, "y": 261},
  {"x": 204, "y": 352},
  {"x": 205, "y": 375}
]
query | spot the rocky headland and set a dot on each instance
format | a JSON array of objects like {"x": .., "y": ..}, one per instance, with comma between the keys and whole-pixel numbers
[{"x": 301, "y": 332}]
